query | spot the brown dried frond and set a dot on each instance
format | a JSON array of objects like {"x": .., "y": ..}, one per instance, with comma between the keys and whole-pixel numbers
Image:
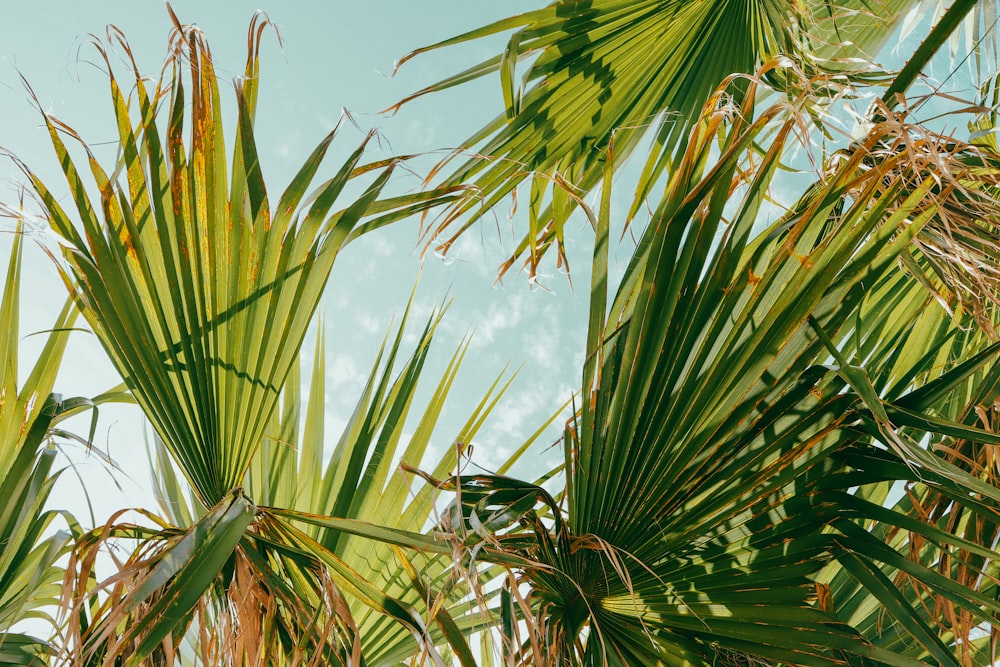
[
  {"x": 258, "y": 612},
  {"x": 967, "y": 568},
  {"x": 961, "y": 241},
  {"x": 93, "y": 610},
  {"x": 264, "y": 609}
]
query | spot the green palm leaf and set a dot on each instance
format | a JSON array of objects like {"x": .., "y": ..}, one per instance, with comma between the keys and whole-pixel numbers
[
  {"x": 199, "y": 293},
  {"x": 29, "y": 549},
  {"x": 709, "y": 510},
  {"x": 607, "y": 71},
  {"x": 202, "y": 293},
  {"x": 603, "y": 74},
  {"x": 385, "y": 511}
]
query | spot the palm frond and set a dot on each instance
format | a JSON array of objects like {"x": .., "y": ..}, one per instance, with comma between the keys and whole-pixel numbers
[
  {"x": 29, "y": 549},
  {"x": 387, "y": 508},
  {"x": 578, "y": 76},
  {"x": 738, "y": 396},
  {"x": 200, "y": 293},
  {"x": 608, "y": 70}
]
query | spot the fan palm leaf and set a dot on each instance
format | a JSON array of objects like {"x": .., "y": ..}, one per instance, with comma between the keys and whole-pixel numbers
[
  {"x": 603, "y": 71},
  {"x": 29, "y": 549},
  {"x": 736, "y": 394},
  {"x": 291, "y": 476},
  {"x": 184, "y": 264},
  {"x": 201, "y": 293}
]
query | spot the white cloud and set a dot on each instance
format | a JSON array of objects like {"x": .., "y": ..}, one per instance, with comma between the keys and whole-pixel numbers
[
  {"x": 379, "y": 245},
  {"x": 471, "y": 250},
  {"x": 499, "y": 318},
  {"x": 345, "y": 377},
  {"x": 368, "y": 322},
  {"x": 513, "y": 413},
  {"x": 289, "y": 145},
  {"x": 542, "y": 343}
]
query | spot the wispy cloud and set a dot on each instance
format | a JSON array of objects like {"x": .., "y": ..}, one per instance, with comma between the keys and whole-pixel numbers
[
  {"x": 498, "y": 318},
  {"x": 368, "y": 322},
  {"x": 345, "y": 378}
]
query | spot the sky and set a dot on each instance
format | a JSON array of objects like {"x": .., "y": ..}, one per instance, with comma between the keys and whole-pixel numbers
[{"x": 333, "y": 56}]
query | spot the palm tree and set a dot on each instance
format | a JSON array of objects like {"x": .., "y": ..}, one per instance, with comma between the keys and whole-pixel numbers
[
  {"x": 579, "y": 75},
  {"x": 784, "y": 447},
  {"x": 356, "y": 489},
  {"x": 202, "y": 293},
  {"x": 751, "y": 403}
]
